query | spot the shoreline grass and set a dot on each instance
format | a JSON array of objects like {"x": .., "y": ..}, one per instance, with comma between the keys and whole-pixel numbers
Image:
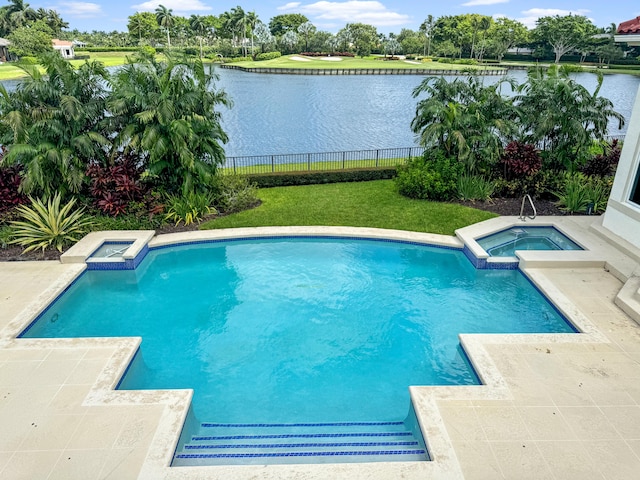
[
  {"x": 324, "y": 166},
  {"x": 374, "y": 204},
  {"x": 289, "y": 61}
]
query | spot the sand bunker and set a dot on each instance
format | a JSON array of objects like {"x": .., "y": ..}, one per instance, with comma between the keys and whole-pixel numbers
[
  {"x": 300, "y": 59},
  {"x": 331, "y": 59},
  {"x": 413, "y": 62}
]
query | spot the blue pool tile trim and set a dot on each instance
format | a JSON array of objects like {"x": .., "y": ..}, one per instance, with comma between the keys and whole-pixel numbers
[
  {"x": 300, "y": 435},
  {"x": 300, "y": 454},
  {"x": 301, "y": 445},
  {"x": 127, "y": 264},
  {"x": 483, "y": 263},
  {"x": 304, "y": 237},
  {"x": 288, "y": 425}
]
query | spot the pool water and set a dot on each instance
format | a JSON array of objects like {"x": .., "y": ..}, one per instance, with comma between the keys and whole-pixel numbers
[
  {"x": 507, "y": 242},
  {"x": 290, "y": 330}
]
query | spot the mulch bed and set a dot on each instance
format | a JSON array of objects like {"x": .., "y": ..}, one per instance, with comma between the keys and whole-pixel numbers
[{"x": 500, "y": 206}]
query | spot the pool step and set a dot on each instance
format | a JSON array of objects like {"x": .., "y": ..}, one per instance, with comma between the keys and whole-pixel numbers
[{"x": 259, "y": 444}]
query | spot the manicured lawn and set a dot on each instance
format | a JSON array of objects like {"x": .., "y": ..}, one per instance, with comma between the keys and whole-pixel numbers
[
  {"x": 348, "y": 62},
  {"x": 364, "y": 204}
]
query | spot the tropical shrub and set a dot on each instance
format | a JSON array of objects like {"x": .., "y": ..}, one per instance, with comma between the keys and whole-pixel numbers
[
  {"x": 475, "y": 188},
  {"x": 51, "y": 124},
  {"x": 573, "y": 197},
  {"x": 520, "y": 159},
  {"x": 166, "y": 112},
  {"x": 580, "y": 192},
  {"x": 267, "y": 56},
  {"x": 563, "y": 116},
  {"x": 237, "y": 193},
  {"x": 189, "y": 208},
  {"x": 6, "y": 236},
  {"x": 10, "y": 195},
  {"x": 49, "y": 225},
  {"x": 432, "y": 177},
  {"x": 114, "y": 186},
  {"x": 603, "y": 164}
]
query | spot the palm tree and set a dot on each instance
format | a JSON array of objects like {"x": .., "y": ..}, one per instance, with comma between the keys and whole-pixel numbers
[
  {"x": 239, "y": 21},
  {"x": 164, "y": 17},
  {"x": 20, "y": 13},
  {"x": 199, "y": 28},
  {"x": 426, "y": 28},
  {"x": 252, "y": 21},
  {"x": 561, "y": 115},
  {"x": 51, "y": 124},
  {"x": 165, "y": 113},
  {"x": 464, "y": 118}
]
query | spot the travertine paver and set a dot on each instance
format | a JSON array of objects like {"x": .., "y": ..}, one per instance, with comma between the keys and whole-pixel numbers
[{"x": 575, "y": 411}]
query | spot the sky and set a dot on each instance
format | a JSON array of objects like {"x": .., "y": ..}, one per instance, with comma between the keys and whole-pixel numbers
[{"x": 332, "y": 15}]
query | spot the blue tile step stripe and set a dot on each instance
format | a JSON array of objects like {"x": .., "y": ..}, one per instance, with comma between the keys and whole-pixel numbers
[{"x": 247, "y": 444}]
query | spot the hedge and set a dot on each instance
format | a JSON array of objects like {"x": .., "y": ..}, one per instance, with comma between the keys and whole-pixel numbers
[
  {"x": 329, "y": 176},
  {"x": 267, "y": 56}
]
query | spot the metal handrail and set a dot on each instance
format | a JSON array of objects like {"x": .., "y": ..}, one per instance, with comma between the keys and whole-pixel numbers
[{"x": 535, "y": 213}]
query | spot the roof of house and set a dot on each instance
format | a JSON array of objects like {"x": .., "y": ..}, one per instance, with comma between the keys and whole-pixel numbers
[
  {"x": 61, "y": 43},
  {"x": 630, "y": 27}
]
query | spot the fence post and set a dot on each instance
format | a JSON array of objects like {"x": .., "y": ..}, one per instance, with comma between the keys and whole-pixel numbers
[
  {"x": 309, "y": 162},
  {"x": 343, "y": 159},
  {"x": 234, "y": 164},
  {"x": 273, "y": 164},
  {"x": 377, "y": 156}
]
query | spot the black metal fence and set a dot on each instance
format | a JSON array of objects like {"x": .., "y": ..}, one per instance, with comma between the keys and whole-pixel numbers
[
  {"x": 309, "y": 162},
  {"x": 324, "y": 161}
]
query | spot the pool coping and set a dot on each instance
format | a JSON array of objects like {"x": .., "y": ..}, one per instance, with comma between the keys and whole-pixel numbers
[{"x": 444, "y": 463}]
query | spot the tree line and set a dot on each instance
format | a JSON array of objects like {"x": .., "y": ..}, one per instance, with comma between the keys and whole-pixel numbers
[{"x": 237, "y": 32}]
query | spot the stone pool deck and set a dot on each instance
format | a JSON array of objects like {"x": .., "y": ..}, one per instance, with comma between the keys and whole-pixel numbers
[{"x": 552, "y": 407}]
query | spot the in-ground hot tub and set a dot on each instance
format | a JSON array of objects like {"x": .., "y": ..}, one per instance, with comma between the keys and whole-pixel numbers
[{"x": 506, "y": 242}]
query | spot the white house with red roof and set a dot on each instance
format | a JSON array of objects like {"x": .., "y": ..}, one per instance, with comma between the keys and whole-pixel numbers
[
  {"x": 629, "y": 32},
  {"x": 65, "y": 48}
]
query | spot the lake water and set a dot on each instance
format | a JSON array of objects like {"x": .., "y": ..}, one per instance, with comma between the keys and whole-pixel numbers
[
  {"x": 278, "y": 114},
  {"x": 274, "y": 114}
]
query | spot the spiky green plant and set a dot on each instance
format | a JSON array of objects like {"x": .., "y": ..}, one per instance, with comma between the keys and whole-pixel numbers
[
  {"x": 44, "y": 225},
  {"x": 189, "y": 208}
]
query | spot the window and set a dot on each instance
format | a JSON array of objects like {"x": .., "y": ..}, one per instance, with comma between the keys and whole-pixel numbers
[{"x": 635, "y": 190}]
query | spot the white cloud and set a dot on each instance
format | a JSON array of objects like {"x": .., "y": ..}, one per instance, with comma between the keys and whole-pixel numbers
[
  {"x": 289, "y": 6},
  {"x": 79, "y": 9},
  {"x": 474, "y": 3},
  {"x": 533, "y": 14},
  {"x": 175, "y": 5},
  {"x": 351, "y": 11}
]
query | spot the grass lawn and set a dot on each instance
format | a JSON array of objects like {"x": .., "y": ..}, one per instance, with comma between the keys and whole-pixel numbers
[
  {"x": 9, "y": 71},
  {"x": 363, "y": 204},
  {"x": 348, "y": 62}
]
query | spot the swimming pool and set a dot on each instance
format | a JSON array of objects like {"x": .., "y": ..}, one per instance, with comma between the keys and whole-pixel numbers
[{"x": 295, "y": 330}]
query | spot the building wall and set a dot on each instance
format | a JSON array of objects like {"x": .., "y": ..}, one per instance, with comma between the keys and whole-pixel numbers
[{"x": 622, "y": 216}]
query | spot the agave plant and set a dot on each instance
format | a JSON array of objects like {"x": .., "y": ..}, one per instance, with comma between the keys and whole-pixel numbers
[{"x": 43, "y": 226}]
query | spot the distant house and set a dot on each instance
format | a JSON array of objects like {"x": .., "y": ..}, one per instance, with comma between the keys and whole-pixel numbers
[
  {"x": 65, "y": 48},
  {"x": 4, "y": 49},
  {"x": 629, "y": 32}
]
